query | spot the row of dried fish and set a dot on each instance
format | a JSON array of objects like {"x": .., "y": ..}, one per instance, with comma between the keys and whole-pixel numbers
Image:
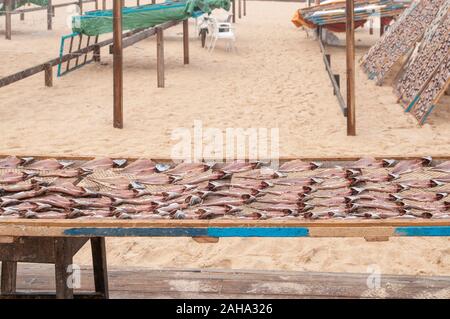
[
  {"x": 239, "y": 189},
  {"x": 433, "y": 48},
  {"x": 400, "y": 38},
  {"x": 435, "y": 87}
]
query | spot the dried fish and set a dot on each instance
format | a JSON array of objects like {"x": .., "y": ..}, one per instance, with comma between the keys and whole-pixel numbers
[
  {"x": 148, "y": 200},
  {"x": 443, "y": 167},
  {"x": 239, "y": 166},
  {"x": 14, "y": 162},
  {"x": 45, "y": 215},
  {"x": 298, "y": 166},
  {"x": 221, "y": 201},
  {"x": 186, "y": 168},
  {"x": 26, "y": 194},
  {"x": 49, "y": 164},
  {"x": 93, "y": 213},
  {"x": 261, "y": 174},
  {"x": 21, "y": 187},
  {"x": 70, "y": 189},
  {"x": 376, "y": 204},
  {"x": 54, "y": 200},
  {"x": 419, "y": 197},
  {"x": 13, "y": 177},
  {"x": 140, "y": 167},
  {"x": 103, "y": 164},
  {"x": 370, "y": 162},
  {"x": 197, "y": 179},
  {"x": 409, "y": 166},
  {"x": 100, "y": 202},
  {"x": 154, "y": 179}
]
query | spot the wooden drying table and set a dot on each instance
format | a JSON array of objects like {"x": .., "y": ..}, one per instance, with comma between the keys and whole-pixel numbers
[{"x": 57, "y": 241}]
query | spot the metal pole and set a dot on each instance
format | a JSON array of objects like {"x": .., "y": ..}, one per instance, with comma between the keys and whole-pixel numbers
[
  {"x": 350, "y": 45},
  {"x": 117, "y": 64}
]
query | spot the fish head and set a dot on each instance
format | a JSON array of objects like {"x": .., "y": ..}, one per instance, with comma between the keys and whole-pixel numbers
[
  {"x": 351, "y": 172},
  {"x": 162, "y": 167},
  {"x": 119, "y": 162},
  {"x": 388, "y": 162},
  {"x": 426, "y": 160},
  {"x": 441, "y": 195},
  {"x": 392, "y": 176},
  {"x": 315, "y": 165}
]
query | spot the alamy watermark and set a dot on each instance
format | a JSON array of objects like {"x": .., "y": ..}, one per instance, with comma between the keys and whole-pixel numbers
[{"x": 218, "y": 145}]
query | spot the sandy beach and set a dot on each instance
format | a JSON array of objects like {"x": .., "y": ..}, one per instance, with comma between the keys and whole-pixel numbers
[{"x": 276, "y": 79}]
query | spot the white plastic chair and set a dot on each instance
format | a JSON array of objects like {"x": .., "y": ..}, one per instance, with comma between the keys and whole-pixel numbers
[{"x": 221, "y": 30}]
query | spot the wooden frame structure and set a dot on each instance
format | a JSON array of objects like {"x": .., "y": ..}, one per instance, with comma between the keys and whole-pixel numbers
[
  {"x": 50, "y": 8},
  {"x": 55, "y": 241}
]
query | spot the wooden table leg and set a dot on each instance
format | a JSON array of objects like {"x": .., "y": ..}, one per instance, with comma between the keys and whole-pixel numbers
[
  {"x": 63, "y": 259},
  {"x": 98, "y": 248},
  {"x": 9, "y": 275}
]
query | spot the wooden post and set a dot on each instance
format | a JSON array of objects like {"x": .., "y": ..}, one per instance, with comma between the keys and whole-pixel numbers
[
  {"x": 80, "y": 5},
  {"x": 239, "y": 9},
  {"x": 98, "y": 248},
  {"x": 381, "y": 27},
  {"x": 153, "y": 1},
  {"x": 123, "y": 3},
  {"x": 117, "y": 64},
  {"x": 49, "y": 14},
  {"x": 138, "y": 3},
  {"x": 63, "y": 259},
  {"x": 48, "y": 75},
  {"x": 350, "y": 46},
  {"x": 53, "y": 11},
  {"x": 370, "y": 26},
  {"x": 328, "y": 57},
  {"x": 245, "y": 8},
  {"x": 233, "y": 12},
  {"x": 8, "y": 9},
  {"x": 160, "y": 56},
  {"x": 186, "y": 41},
  {"x": 96, "y": 53},
  {"x": 22, "y": 16},
  {"x": 96, "y": 4},
  {"x": 103, "y": 4},
  {"x": 9, "y": 275}
]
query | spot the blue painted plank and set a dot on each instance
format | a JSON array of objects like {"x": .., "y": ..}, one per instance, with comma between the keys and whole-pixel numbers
[
  {"x": 258, "y": 232},
  {"x": 423, "y": 231},
  {"x": 138, "y": 232}
]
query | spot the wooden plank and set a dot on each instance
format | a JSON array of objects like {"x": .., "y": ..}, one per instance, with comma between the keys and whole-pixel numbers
[
  {"x": 150, "y": 283},
  {"x": 160, "y": 56},
  {"x": 350, "y": 47},
  {"x": 186, "y": 41},
  {"x": 206, "y": 239},
  {"x": 117, "y": 65}
]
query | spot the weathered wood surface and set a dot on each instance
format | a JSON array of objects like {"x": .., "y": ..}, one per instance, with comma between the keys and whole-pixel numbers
[{"x": 149, "y": 283}]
